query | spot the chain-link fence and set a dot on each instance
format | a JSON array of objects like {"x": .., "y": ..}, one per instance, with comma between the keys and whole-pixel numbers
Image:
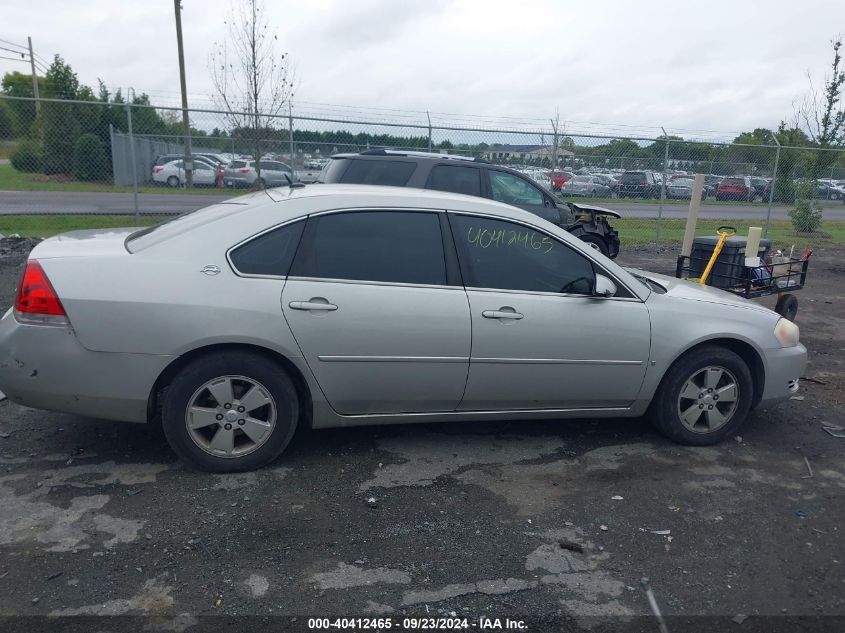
[{"x": 126, "y": 164}]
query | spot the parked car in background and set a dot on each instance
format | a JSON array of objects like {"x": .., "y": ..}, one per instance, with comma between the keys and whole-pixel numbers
[
  {"x": 638, "y": 184},
  {"x": 173, "y": 173},
  {"x": 474, "y": 177},
  {"x": 585, "y": 186},
  {"x": 735, "y": 188},
  {"x": 829, "y": 191},
  {"x": 163, "y": 159},
  {"x": 245, "y": 173},
  {"x": 559, "y": 178},
  {"x": 332, "y": 306},
  {"x": 759, "y": 185},
  {"x": 681, "y": 188}
]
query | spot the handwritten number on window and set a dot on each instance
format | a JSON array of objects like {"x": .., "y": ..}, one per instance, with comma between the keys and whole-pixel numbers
[{"x": 529, "y": 240}]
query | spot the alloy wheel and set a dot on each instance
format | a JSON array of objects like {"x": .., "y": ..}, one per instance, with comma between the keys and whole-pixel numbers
[
  {"x": 708, "y": 399},
  {"x": 230, "y": 416}
]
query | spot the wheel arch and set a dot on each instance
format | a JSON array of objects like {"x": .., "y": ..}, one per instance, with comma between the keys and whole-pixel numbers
[
  {"x": 164, "y": 379},
  {"x": 745, "y": 350}
]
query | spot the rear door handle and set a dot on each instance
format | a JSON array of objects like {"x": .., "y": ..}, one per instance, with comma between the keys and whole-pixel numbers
[
  {"x": 315, "y": 304},
  {"x": 502, "y": 313}
]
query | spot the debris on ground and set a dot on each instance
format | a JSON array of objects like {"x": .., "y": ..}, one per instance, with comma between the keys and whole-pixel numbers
[
  {"x": 572, "y": 546},
  {"x": 603, "y": 528},
  {"x": 372, "y": 502},
  {"x": 739, "y": 618},
  {"x": 14, "y": 246},
  {"x": 799, "y": 398},
  {"x": 617, "y": 498},
  {"x": 833, "y": 429},
  {"x": 809, "y": 470},
  {"x": 801, "y": 514},
  {"x": 55, "y": 575},
  {"x": 218, "y": 601},
  {"x": 815, "y": 380},
  {"x": 661, "y": 532}
]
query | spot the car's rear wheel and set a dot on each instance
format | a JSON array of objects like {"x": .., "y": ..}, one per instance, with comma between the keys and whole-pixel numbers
[
  {"x": 173, "y": 181},
  {"x": 260, "y": 183},
  {"x": 230, "y": 412},
  {"x": 704, "y": 397}
]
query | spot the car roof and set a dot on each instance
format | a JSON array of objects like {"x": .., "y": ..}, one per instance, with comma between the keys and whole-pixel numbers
[{"x": 375, "y": 153}]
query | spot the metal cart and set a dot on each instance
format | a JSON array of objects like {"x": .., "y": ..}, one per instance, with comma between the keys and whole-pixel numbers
[{"x": 781, "y": 278}]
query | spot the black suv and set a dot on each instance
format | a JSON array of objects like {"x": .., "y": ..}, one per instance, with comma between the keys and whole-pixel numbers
[
  {"x": 474, "y": 177},
  {"x": 641, "y": 184}
]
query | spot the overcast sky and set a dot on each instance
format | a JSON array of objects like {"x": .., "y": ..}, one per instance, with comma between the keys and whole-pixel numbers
[{"x": 722, "y": 66}]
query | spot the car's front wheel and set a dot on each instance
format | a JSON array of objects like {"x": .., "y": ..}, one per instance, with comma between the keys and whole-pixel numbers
[
  {"x": 704, "y": 397},
  {"x": 230, "y": 412}
]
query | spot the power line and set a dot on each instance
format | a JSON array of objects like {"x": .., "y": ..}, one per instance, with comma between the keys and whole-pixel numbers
[{"x": 12, "y": 44}]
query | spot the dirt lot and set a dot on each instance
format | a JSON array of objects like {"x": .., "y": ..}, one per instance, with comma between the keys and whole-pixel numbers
[{"x": 554, "y": 523}]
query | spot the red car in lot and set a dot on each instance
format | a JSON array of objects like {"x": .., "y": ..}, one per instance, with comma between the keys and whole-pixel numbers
[
  {"x": 735, "y": 188},
  {"x": 559, "y": 178}
]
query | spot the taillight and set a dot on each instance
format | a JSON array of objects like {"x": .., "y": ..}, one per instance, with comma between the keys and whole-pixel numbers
[
  {"x": 244, "y": 170},
  {"x": 36, "y": 295}
]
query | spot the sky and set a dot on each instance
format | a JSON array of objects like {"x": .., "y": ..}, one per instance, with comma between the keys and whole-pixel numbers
[{"x": 715, "y": 66}]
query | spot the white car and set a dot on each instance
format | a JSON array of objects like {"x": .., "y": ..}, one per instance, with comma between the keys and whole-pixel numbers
[{"x": 173, "y": 173}]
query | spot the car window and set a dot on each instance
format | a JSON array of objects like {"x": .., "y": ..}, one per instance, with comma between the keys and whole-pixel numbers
[
  {"x": 378, "y": 172},
  {"x": 503, "y": 255},
  {"x": 332, "y": 170},
  {"x": 237, "y": 164},
  {"x": 633, "y": 177},
  {"x": 390, "y": 246},
  {"x": 733, "y": 181},
  {"x": 270, "y": 253},
  {"x": 512, "y": 189},
  {"x": 203, "y": 166},
  {"x": 455, "y": 178}
]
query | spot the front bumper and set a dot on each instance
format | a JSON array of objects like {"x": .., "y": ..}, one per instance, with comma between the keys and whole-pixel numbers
[
  {"x": 784, "y": 367},
  {"x": 45, "y": 367}
]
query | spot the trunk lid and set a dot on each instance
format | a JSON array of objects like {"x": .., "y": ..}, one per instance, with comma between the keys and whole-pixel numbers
[{"x": 84, "y": 243}]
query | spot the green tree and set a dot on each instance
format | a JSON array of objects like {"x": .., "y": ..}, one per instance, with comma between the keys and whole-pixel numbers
[
  {"x": 27, "y": 157},
  {"x": 17, "y": 84},
  {"x": 7, "y": 126},
  {"x": 59, "y": 121},
  {"x": 89, "y": 158}
]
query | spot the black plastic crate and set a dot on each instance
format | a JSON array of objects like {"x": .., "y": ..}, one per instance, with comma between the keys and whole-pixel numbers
[{"x": 729, "y": 267}]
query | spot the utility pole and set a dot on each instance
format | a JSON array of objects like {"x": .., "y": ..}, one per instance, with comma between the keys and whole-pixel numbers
[
  {"x": 34, "y": 76},
  {"x": 188, "y": 162}
]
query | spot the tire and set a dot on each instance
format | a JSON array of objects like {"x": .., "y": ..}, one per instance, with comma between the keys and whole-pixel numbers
[
  {"x": 596, "y": 242},
  {"x": 690, "y": 373},
  {"x": 173, "y": 181},
  {"x": 787, "y": 306},
  {"x": 259, "y": 183},
  {"x": 272, "y": 424}
]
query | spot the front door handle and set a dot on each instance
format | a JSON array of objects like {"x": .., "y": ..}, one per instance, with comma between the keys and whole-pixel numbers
[
  {"x": 505, "y": 312},
  {"x": 317, "y": 304}
]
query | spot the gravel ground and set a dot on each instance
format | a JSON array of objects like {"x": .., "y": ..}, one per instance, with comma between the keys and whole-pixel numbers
[{"x": 554, "y": 523}]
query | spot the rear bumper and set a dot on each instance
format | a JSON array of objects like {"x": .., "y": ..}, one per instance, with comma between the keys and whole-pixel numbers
[
  {"x": 784, "y": 367},
  {"x": 45, "y": 367}
]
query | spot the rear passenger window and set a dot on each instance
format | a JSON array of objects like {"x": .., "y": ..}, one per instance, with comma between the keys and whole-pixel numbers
[
  {"x": 455, "y": 178},
  {"x": 269, "y": 254},
  {"x": 378, "y": 172},
  {"x": 390, "y": 246},
  {"x": 237, "y": 164}
]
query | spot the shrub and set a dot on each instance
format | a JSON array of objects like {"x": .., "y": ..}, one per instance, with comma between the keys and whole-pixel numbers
[
  {"x": 27, "y": 157},
  {"x": 89, "y": 158},
  {"x": 806, "y": 217},
  {"x": 6, "y": 127}
]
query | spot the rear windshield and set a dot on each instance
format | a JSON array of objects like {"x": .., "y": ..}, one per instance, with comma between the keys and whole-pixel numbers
[
  {"x": 733, "y": 181},
  {"x": 378, "y": 172},
  {"x": 332, "y": 170},
  {"x": 633, "y": 177}
]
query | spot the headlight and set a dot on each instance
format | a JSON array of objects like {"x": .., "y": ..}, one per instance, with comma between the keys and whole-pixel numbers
[{"x": 786, "y": 332}]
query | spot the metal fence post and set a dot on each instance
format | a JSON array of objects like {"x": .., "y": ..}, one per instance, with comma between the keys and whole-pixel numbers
[
  {"x": 290, "y": 131},
  {"x": 428, "y": 116},
  {"x": 134, "y": 165},
  {"x": 663, "y": 184},
  {"x": 772, "y": 189}
]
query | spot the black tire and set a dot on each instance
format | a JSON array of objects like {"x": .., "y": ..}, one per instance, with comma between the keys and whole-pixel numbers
[
  {"x": 787, "y": 306},
  {"x": 664, "y": 410},
  {"x": 205, "y": 368},
  {"x": 596, "y": 241},
  {"x": 173, "y": 181},
  {"x": 259, "y": 183}
]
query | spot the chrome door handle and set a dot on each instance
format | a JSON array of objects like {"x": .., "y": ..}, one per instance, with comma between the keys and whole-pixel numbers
[
  {"x": 313, "y": 304},
  {"x": 504, "y": 313}
]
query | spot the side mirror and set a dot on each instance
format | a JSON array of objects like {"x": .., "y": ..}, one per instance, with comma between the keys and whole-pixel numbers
[{"x": 604, "y": 287}]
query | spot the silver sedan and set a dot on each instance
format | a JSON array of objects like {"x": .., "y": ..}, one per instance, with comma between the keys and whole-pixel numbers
[{"x": 341, "y": 305}]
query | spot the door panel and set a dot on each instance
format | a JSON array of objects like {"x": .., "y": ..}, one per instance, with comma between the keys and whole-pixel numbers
[
  {"x": 382, "y": 348},
  {"x": 563, "y": 352}
]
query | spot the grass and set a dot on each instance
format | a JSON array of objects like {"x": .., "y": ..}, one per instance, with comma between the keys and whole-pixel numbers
[
  {"x": 631, "y": 230},
  {"x": 13, "y": 180},
  {"x": 47, "y": 225},
  {"x": 644, "y": 231}
]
